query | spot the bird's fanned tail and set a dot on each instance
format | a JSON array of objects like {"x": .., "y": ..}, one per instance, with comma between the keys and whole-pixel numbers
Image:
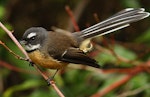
[{"x": 118, "y": 21}]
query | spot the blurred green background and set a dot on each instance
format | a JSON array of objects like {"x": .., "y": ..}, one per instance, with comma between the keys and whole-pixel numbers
[{"x": 18, "y": 79}]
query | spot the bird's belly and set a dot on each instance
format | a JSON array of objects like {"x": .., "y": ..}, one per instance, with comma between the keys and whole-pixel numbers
[{"x": 45, "y": 61}]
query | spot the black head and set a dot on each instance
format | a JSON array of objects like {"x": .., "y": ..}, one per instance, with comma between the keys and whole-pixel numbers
[{"x": 33, "y": 38}]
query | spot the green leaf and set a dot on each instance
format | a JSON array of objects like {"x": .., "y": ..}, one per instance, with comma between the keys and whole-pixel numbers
[
  {"x": 131, "y": 3},
  {"x": 145, "y": 37},
  {"x": 138, "y": 81},
  {"x": 2, "y": 32},
  {"x": 26, "y": 85},
  {"x": 2, "y": 12},
  {"x": 44, "y": 93},
  {"x": 121, "y": 51},
  {"x": 104, "y": 58}
]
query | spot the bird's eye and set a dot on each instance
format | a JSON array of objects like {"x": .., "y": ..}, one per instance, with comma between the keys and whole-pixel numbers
[{"x": 33, "y": 38}]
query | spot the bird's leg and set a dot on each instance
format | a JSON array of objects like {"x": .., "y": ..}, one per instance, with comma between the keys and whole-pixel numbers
[{"x": 51, "y": 78}]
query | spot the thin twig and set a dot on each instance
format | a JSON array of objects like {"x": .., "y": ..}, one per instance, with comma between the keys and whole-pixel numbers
[
  {"x": 52, "y": 83},
  {"x": 120, "y": 58},
  {"x": 96, "y": 17},
  {"x": 113, "y": 86},
  {"x": 14, "y": 39},
  {"x": 70, "y": 13},
  {"x": 11, "y": 67},
  {"x": 106, "y": 90},
  {"x": 134, "y": 92},
  {"x": 24, "y": 52},
  {"x": 17, "y": 56},
  {"x": 56, "y": 88}
]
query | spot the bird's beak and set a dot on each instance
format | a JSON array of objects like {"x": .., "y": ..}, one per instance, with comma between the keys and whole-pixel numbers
[{"x": 23, "y": 42}]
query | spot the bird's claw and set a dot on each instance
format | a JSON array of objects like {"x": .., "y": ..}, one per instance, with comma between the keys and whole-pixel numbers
[
  {"x": 49, "y": 81},
  {"x": 31, "y": 63}
]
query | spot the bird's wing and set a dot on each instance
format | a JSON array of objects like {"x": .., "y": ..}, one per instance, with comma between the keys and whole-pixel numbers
[{"x": 74, "y": 55}]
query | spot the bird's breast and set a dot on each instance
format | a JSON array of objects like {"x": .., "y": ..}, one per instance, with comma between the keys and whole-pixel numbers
[{"x": 45, "y": 61}]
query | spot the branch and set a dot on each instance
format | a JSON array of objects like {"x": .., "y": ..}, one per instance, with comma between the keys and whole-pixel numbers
[
  {"x": 96, "y": 17},
  {"x": 134, "y": 92},
  {"x": 112, "y": 86},
  {"x": 17, "y": 56},
  {"x": 14, "y": 39},
  {"x": 52, "y": 83},
  {"x": 119, "y": 58},
  {"x": 136, "y": 70},
  {"x": 10, "y": 67},
  {"x": 24, "y": 52},
  {"x": 70, "y": 13}
]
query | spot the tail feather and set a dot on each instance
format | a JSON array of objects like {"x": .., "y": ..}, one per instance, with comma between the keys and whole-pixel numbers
[
  {"x": 128, "y": 11},
  {"x": 118, "y": 21}
]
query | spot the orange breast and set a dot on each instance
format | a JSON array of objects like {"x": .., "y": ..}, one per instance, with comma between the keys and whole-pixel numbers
[{"x": 45, "y": 61}]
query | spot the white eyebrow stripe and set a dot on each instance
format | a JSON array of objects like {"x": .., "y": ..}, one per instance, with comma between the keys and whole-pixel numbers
[{"x": 31, "y": 35}]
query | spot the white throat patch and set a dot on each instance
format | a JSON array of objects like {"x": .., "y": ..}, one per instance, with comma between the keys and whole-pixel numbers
[
  {"x": 31, "y": 35},
  {"x": 30, "y": 47}
]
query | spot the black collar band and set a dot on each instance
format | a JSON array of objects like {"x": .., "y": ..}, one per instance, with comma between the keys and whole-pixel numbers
[{"x": 29, "y": 51}]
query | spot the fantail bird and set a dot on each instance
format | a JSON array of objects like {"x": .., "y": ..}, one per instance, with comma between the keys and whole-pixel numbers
[{"x": 54, "y": 50}]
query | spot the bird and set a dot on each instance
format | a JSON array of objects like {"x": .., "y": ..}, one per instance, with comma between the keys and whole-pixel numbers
[{"x": 57, "y": 49}]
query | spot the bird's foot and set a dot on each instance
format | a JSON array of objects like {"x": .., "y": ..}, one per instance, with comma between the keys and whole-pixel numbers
[
  {"x": 49, "y": 81},
  {"x": 31, "y": 63}
]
